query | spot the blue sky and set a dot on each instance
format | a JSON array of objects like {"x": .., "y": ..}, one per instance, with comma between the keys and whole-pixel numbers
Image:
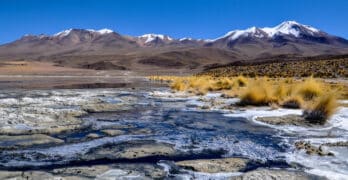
[{"x": 177, "y": 18}]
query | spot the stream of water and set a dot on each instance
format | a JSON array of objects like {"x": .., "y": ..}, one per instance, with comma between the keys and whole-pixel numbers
[{"x": 157, "y": 115}]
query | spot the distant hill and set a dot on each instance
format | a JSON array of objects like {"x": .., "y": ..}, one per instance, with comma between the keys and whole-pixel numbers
[{"x": 317, "y": 66}]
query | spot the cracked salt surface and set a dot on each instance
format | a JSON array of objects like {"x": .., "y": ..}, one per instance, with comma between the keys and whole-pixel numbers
[{"x": 45, "y": 109}]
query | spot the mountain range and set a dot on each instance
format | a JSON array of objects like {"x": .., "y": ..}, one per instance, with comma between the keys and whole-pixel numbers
[{"x": 85, "y": 47}]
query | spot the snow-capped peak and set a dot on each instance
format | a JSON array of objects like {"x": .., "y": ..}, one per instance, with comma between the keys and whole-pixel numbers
[
  {"x": 151, "y": 37},
  {"x": 254, "y": 31},
  {"x": 290, "y": 28},
  {"x": 101, "y": 31},
  {"x": 68, "y": 31},
  {"x": 63, "y": 33},
  {"x": 185, "y": 39},
  {"x": 286, "y": 28}
]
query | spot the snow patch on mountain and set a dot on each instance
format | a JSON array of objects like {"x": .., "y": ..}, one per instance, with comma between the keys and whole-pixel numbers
[
  {"x": 292, "y": 28},
  {"x": 289, "y": 28},
  {"x": 102, "y": 31},
  {"x": 63, "y": 33},
  {"x": 68, "y": 31},
  {"x": 186, "y": 39},
  {"x": 253, "y": 31},
  {"x": 151, "y": 37}
]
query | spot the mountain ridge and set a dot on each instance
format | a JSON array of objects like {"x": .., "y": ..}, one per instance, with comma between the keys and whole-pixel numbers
[
  {"x": 288, "y": 39},
  {"x": 286, "y": 27}
]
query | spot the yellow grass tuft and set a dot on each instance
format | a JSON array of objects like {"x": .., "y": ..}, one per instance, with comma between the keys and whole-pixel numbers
[
  {"x": 178, "y": 85},
  {"x": 241, "y": 81},
  {"x": 289, "y": 80},
  {"x": 321, "y": 111},
  {"x": 309, "y": 93},
  {"x": 310, "y": 89},
  {"x": 222, "y": 84},
  {"x": 258, "y": 93},
  {"x": 280, "y": 91}
]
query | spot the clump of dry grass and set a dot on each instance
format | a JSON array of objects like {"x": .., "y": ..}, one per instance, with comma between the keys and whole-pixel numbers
[
  {"x": 199, "y": 85},
  {"x": 321, "y": 111},
  {"x": 288, "y": 93},
  {"x": 241, "y": 81},
  {"x": 222, "y": 84},
  {"x": 310, "y": 89},
  {"x": 258, "y": 93},
  {"x": 289, "y": 80},
  {"x": 178, "y": 85},
  {"x": 280, "y": 91}
]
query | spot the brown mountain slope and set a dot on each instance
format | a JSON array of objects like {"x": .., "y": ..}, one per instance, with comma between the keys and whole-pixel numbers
[{"x": 105, "y": 49}]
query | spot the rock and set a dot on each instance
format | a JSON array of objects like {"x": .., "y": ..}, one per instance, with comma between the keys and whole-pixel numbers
[
  {"x": 118, "y": 126},
  {"x": 44, "y": 123},
  {"x": 22, "y": 141},
  {"x": 27, "y": 175},
  {"x": 312, "y": 150},
  {"x": 147, "y": 150},
  {"x": 10, "y": 175},
  {"x": 153, "y": 171},
  {"x": 112, "y": 171},
  {"x": 295, "y": 120},
  {"x": 130, "y": 150},
  {"x": 268, "y": 174},
  {"x": 215, "y": 165},
  {"x": 112, "y": 132},
  {"x": 142, "y": 131},
  {"x": 205, "y": 107},
  {"x": 81, "y": 171},
  {"x": 121, "y": 174},
  {"x": 92, "y": 136}
]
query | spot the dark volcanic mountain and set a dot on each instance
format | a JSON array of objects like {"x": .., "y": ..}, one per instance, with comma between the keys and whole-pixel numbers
[{"x": 289, "y": 39}]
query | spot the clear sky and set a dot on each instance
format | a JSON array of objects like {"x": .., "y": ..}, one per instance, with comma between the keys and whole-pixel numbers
[{"x": 176, "y": 18}]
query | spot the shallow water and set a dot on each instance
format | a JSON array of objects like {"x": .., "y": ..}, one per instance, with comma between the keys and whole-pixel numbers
[{"x": 148, "y": 115}]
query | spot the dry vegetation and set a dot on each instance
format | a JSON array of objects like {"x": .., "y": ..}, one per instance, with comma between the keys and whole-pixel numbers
[
  {"x": 323, "y": 108},
  {"x": 331, "y": 68},
  {"x": 316, "y": 97}
]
